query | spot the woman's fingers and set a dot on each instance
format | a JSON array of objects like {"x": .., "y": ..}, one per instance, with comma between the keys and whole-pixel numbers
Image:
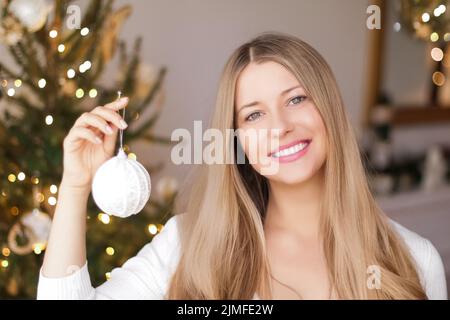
[
  {"x": 118, "y": 104},
  {"x": 78, "y": 133},
  {"x": 94, "y": 120},
  {"x": 110, "y": 116},
  {"x": 91, "y": 125}
]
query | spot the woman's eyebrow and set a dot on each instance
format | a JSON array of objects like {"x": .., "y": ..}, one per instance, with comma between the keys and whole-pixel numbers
[{"x": 254, "y": 103}]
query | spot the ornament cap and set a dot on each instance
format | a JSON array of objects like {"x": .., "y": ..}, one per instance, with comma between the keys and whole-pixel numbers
[{"x": 121, "y": 154}]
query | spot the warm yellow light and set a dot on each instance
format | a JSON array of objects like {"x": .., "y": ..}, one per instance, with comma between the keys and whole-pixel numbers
[
  {"x": 6, "y": 252},
  {"x": 425, "y": 17},
  {"x": 87, "y": 64},
  {"x": 40, "y": 197},
  {"x": 53, "y": 189},
  {"x": 447, "y": 36},
  {"x": 152, "y": 229},
  {"x": 35, "y": 180},
  {"x": 439, "y": 10},
  {"x": 79, "y": 93},
  {"x": 14, "y": 211},
  {"x": 41, "y": 83},
  {"x": 110, "y": 251},
  {"x": 61, "y": 48},
  {"x": 437, "y": 54},
  {"x": 48, "y": 120},
  {"x": 70, "y": 73},
  {"x": 5, "y": 263},
  {"x": 108, "y": 275},
  {"x": 132, "y": 155},
  {"x": 92, "y": 93},
  {"x": 103, "y": 217},
  {"x": 17, "y": 83},
  {"x": 53, "y": 34},
  {"x": 37, "y": 248},
  {"x": 438, "y": 78},
  {"x": 84, "y": 31},
  {"x": 4, "y": 83},
  {"x": 51, "y": 201},
  {"x": 434, "y": 37},
  {"x": 21, "y": 176},
  {"x": 12, "y": 177}
]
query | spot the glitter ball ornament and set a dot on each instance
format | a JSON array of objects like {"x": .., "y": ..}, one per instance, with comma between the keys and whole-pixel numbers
[
  {"x": 31, "y": 13},
  {"x": 20, "y": 239},
  {"x": 121, "y": 186},
  {"x": 39, "y": 223},
  {"x": 33, "y": 231}
]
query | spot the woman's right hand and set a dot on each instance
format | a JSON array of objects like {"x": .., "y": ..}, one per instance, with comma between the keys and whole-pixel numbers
[{"x": 91, "y": 142}]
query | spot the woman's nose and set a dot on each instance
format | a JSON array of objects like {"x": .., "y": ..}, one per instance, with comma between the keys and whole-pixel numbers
[{"x": 281, "y": 125}]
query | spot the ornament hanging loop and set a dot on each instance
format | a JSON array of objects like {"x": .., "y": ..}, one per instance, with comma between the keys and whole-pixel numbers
[{"x": 119, "y": 94}]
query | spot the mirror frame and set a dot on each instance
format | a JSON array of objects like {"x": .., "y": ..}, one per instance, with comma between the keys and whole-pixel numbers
[{"x": 404, "y": 115}]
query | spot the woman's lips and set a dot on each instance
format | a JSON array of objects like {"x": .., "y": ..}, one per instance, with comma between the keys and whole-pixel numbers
[{"x": 292, "y": 151}]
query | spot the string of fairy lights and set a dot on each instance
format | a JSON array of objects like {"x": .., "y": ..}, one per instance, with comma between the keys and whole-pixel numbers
[
  {"x": 423, "y": 26},
  {"x": 12, "y": 87},
  {"x": 70, "y": 73},
  {"x": 40, "y": 197},
  {"x": 437, "y": 54}
]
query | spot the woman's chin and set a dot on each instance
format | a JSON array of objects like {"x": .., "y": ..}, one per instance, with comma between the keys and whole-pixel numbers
[{"x": 290, "y": 178}]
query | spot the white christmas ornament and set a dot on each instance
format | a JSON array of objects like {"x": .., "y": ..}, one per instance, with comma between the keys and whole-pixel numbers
[
  {"x": 39, "y": 223},
  {"x": 35, "y": 228},
  {"x": 121, "y": 186},
  {"x": 31, "y": 13}
]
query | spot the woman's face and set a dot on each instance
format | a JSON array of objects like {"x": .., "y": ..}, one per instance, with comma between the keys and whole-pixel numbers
[{"x": 290, "y": 135}]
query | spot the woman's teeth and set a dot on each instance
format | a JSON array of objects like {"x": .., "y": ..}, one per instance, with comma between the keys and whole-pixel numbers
[{"x": 291, "y": 150}]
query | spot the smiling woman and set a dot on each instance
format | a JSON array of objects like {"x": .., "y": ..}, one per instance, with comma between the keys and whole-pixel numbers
[
  {"x": 289, "y": 116},
  {"x": 309, "y": 230}
]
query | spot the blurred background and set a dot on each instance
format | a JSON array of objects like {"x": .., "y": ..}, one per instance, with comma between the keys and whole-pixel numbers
[{"x": 61, "y": 58}]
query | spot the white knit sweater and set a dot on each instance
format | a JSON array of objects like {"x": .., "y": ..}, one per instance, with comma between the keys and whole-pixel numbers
[{"x": 147, "y": 275}]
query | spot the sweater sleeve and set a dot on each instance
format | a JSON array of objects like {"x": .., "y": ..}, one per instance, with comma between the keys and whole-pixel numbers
[
  {"x": 144, "y": 276},
  {"x": 428, "y": 262},
  {"x": 435, "y": 283}
]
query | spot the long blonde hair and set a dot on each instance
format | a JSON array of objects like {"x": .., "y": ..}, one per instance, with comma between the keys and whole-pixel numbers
[{"x": 223, "y": 250}]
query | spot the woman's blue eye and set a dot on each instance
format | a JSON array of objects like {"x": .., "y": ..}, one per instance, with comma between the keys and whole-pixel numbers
[
  {"x": 255, "y": 115},
  {"x": 251, "y": 116},
  {"x": 298, "y": 99}
]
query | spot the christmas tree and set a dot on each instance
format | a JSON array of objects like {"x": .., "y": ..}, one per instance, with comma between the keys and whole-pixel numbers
[{"x": 57, "y": 53}]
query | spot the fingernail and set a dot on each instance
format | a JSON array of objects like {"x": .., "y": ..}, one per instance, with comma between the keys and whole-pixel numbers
[
  {"x": 98, "y": 140},
  {"x": 123, "y": 124},
  {"x": 108, "y": 129}
]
